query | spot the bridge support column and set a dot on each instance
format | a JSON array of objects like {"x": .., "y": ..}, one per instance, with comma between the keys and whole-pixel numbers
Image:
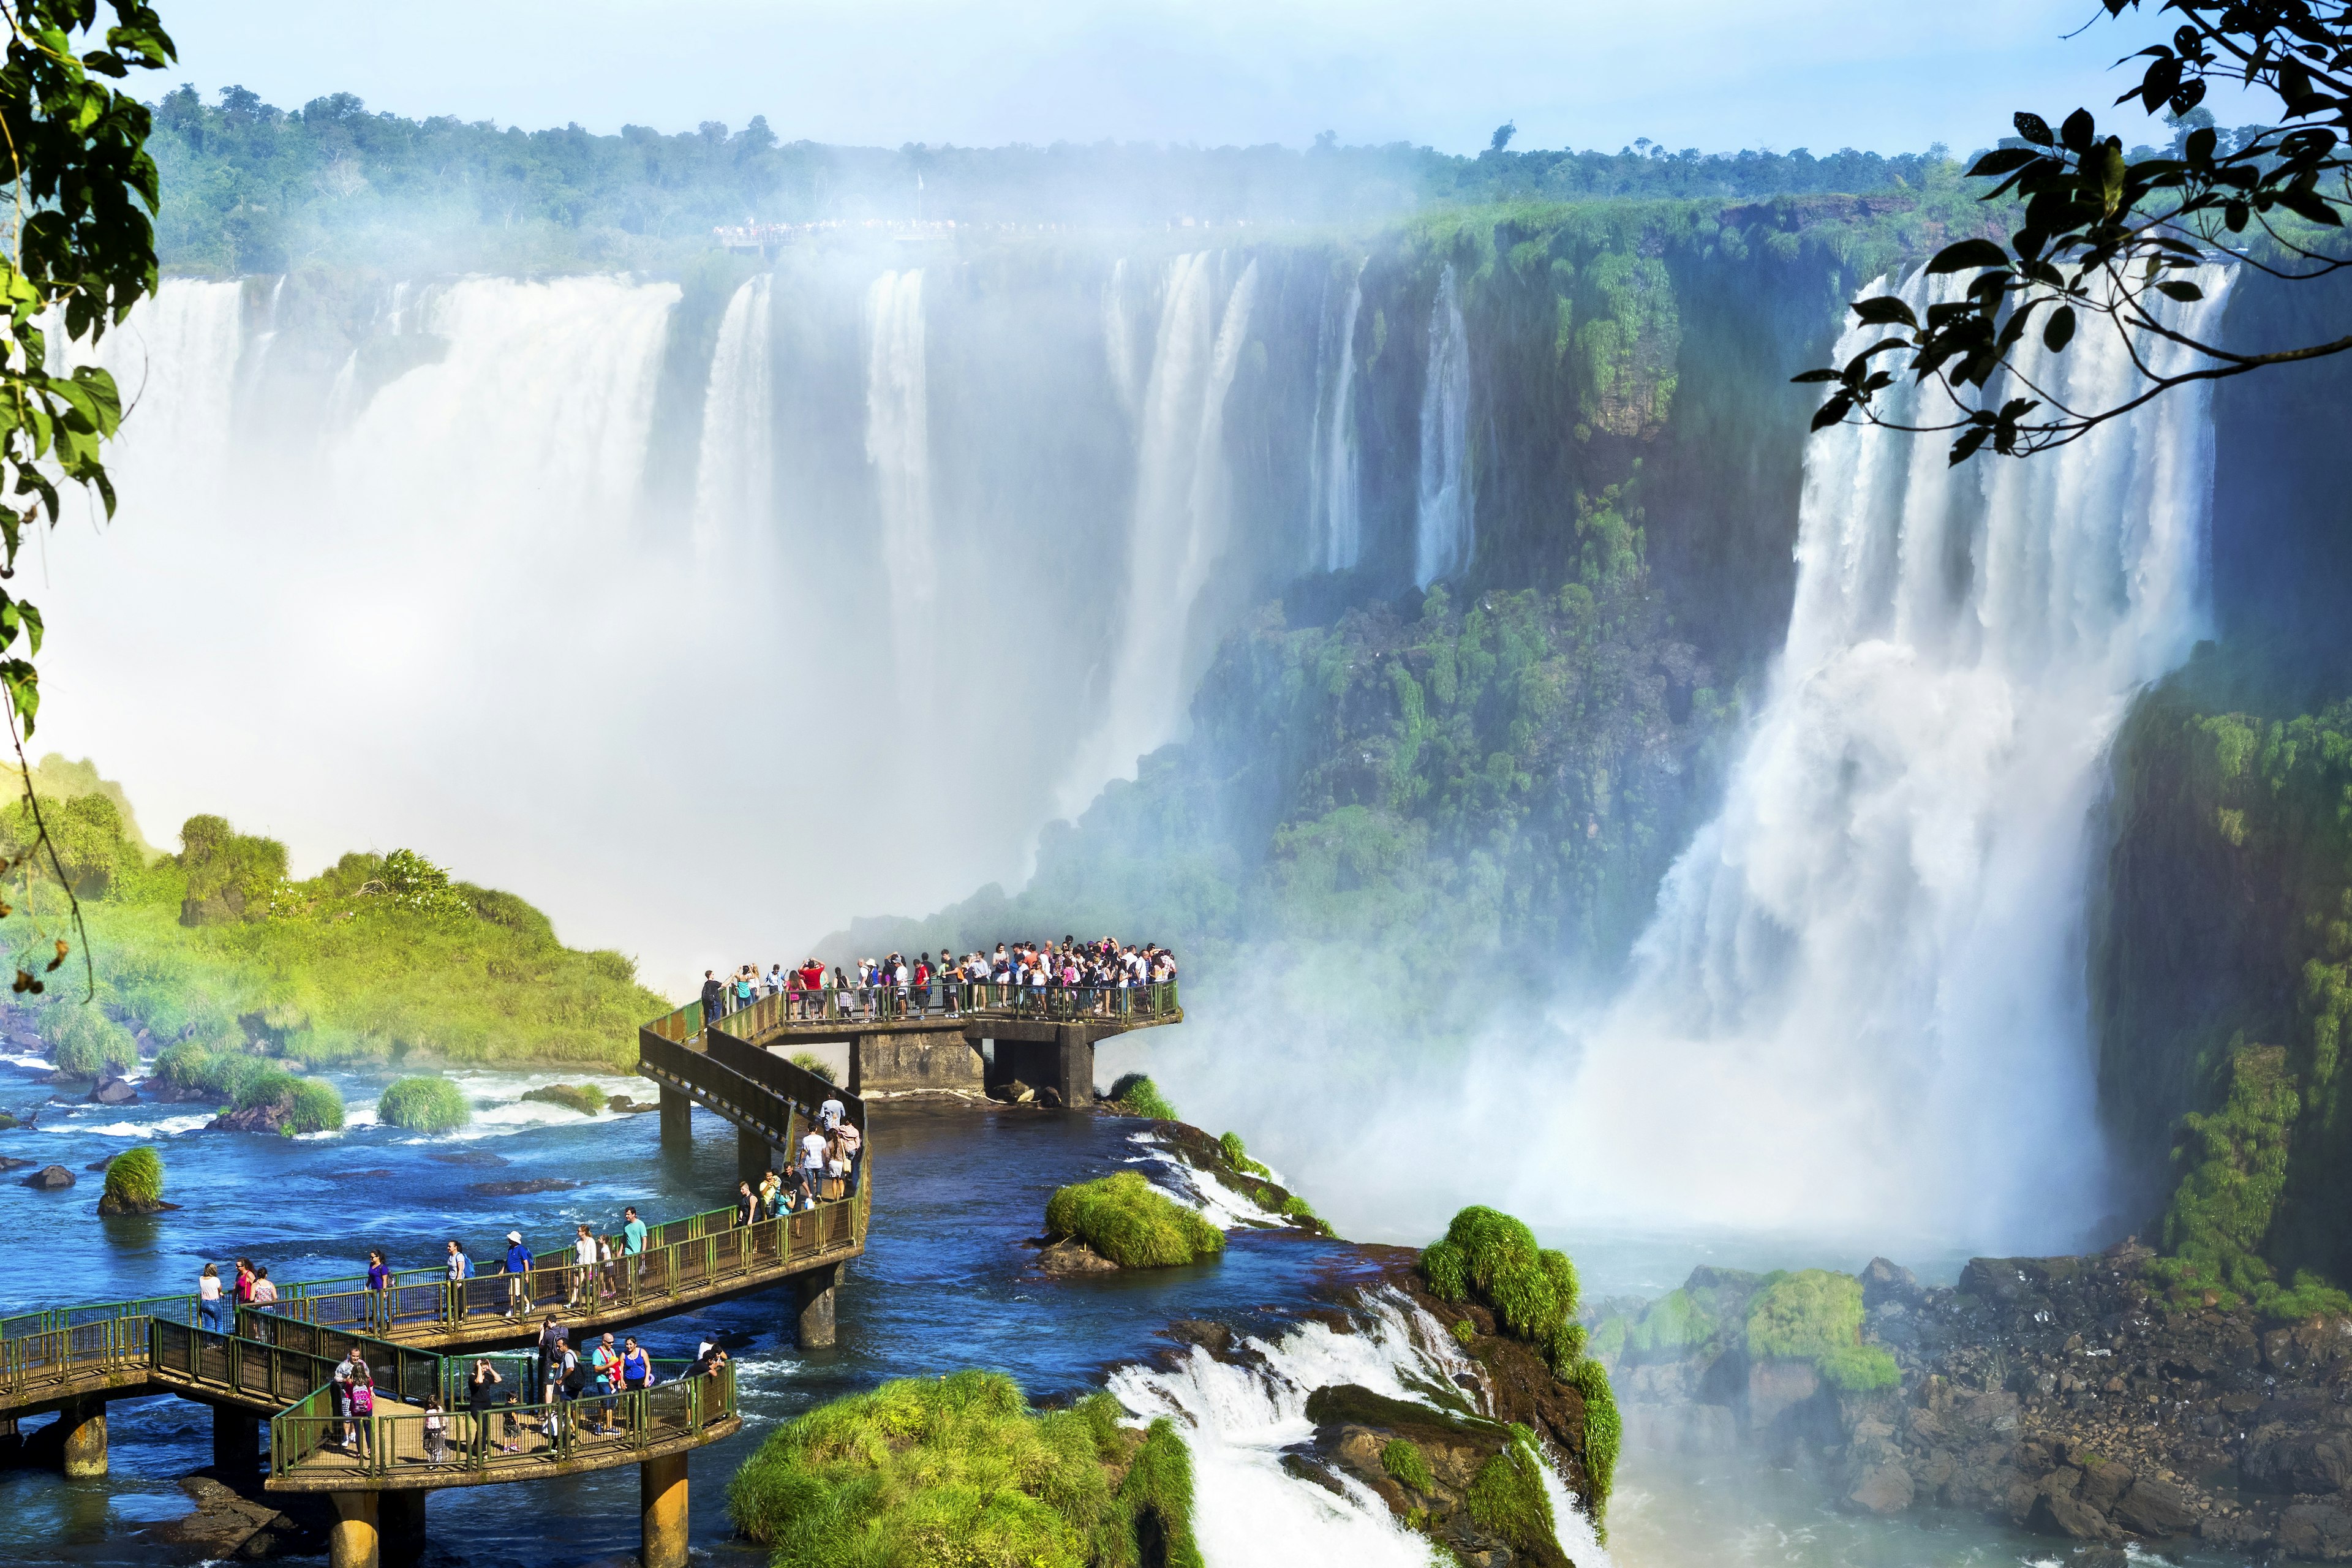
[
  {"x": 82, "y": 1425},
  {"x": 814, "y": 1291},
  {"x": 400, "y": 1523},
  {"x": 1074, "y": 1064},
  {"x": 236, "y": 1442},
  {"x": 676, "y": 1119},
  {"x": 754, "y": 1156},
  {"x": 353, "y": 1540},
  {"x": 661, "y": 1494}
]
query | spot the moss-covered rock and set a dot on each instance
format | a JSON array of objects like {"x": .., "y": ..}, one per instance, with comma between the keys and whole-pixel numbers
[
  {"x": 1136, "y": 1095},
  {"x": 134, "y": 1183},
  {"x": 1815, "y": 1316},
  {"x": 268, "y": 1099},
  {"x": 584, "y": 1098},
  {"x": 959, "y": 1470},
  {"x": 1128, "y": 1221},
  {"x": 424, "y": 1105}
]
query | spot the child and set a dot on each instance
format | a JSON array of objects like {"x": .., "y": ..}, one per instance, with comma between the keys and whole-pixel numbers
[
  {"x": 363, "y": 1414},
  {"x": 435, "y": 1432}
]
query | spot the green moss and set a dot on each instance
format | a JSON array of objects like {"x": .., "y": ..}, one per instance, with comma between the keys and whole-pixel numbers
[
  {"x": 136, "y": 1174},
  {"x": 1604, "y": 1431},
  {"x": 584, "y": 1098},
  {"x": 1674, "y": 1321},
  {"x": 1506, "y": 1497},
  {"x": 1296, "y": 1207},
  {"x": 1136, "y": 1095},
  {"x": 1403, "y": 1460},
  {"x": 1534, "y": 1292},
  {"x": 1859, "y": 1368},
  {"x": 424, "y": 1105},
  {"x": 317, "y": 1107},
  {"x": 1804, "y": 1316},
  {"x": 958, "y": 1471},
  {"x": 1131, "y": 1223},
  {"x": 810, "y": 1062}
]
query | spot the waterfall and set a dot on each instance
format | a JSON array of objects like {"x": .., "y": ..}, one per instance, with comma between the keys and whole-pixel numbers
[
  {"x": 1182, "y": 508},
  {"x": 1334, "y": 495},
  {"x": 734, "y": 481},
  {"x": 1237, "y": 1414},
  {"x": 897, "y": 446},
  {"x": 1442, "y": 542},
  {"x": 174, "y": 362},
  {"x": 1118, "y": 337},
  {"x": 1861, "y": 1004}
]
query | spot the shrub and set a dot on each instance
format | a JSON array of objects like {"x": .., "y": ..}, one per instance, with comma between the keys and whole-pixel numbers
[
  {"x": 1805, "y": 1316},
  {"x": 1859, "y": 1368},
  {"x": 1296, "y": 1207},
  {"x": 1403, "y": 1460},
  {"x": 1604, "y": 1430},
  {"x": 810, "y": 1061},
  {"x": 424, "y": 1105},
  {"x": 1533, "y": 1291},
  {"x": 1506, "y": 1497},
  {"x": 1132, "y": 1223},
  {"x": 1237, "y": 1156},
  {"x": 318, "y": 1108},
  {"x": 1465, "y": 1330},
  {"x": 959, "y": 1470},
  {"x": 135, "y": 1175},
  {"x": 86, "y": 1043},
  {"x": 1136, "y": 1095}
]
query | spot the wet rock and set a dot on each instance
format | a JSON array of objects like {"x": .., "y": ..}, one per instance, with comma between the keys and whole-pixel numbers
[
  {"x": 2317, "y": 1529},
  {"x": 2280, "y": 1458},
  {"x": 1883, "y": 1281},
  {"x": 2155, "y": 1507},
  {"x": 1777, "y": 1387},
  {"x": 228, "y": 1525},
  {"x": 112, "y": 1090},
  {"x": 99, "y": 1164},
  {"x": 51, "y": 1178},
  {"x": 112, "y": 1203},
  {"x": 2055, "y": 1513},
  {"x": 6, "y": 1163},
  {"x": 466, "y": 1157},
  {"x": 1012, "y": 1091},
  {"x": 1050, "y": 1098},
  {"x": 1074, "y": 1257},
  {"x": 522, "y": 1189},
  {"x": 1886, "y": 1489}
]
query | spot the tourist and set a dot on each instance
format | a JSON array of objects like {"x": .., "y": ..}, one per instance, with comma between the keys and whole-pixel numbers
[
  {"x": 583, "y": 1271},
  {"x": 852, "y": 1143},
  {"x": 481, "y": 1393},
  {"x": 707, "y": 1359},
  {"x": 461, "y": 1266},
  {"x": 633, "y": 1247},
  {"x": 243, "y": 1291},
  {"x": 363, "y": 1401},
  {"x": 551, "y": 1352},
  {"x": 636, "y": 1368},
  {"x": 519, "y": 1274},
  {"x": 264, "y": 1292},
  {"x": 775, "y": 985},
  {"x": 437, "y": 1432},
  {"x": 604, "y": 1361},
  {"x": 714, "y": 997},
  {"x": 771, "y": 1187},
  {"x": 607, "y": 1271},
  {"x": 563, "y": 1380},
  {"x": 746, "y": 1203},
  {"x": 836, "y": 1164},
  {"x": 339, "y": 1394},
  {"x": 799, "y": 1197},
  {"x": 208, "y": 1298},
  {"x": 744, "y": 986},
  {"x": 830, "y": 1113},
  {"x": 812, "y": 1159}
]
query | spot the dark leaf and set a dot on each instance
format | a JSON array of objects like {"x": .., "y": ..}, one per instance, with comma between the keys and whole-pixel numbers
[
  {"x": 1885, "y": 311},
  {"x": 2059, "y": 330},
  {"x": 1833, "y": 412},
  {"x": 2034, "y": 128},
  {"x": 2079, "y": 132},
  {"x": 1967, "y": 254},
  {"x": 2001, "y": 160},
  {"x": 1823, "y": 374},
  {"x": 2184, "y": 292}
]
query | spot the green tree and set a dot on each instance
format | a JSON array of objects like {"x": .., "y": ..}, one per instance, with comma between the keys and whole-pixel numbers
[
  {"x": 2109, "y": 239},
  {"x": 80, "y": 253}
]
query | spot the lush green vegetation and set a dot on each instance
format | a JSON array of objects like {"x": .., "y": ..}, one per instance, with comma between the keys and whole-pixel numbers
[
  {"x": 84, "y": 1042},
  {"x": 1237, "y": 1155},
  {"x": 1405, "y": 1463},
  {"x": 1131, "y": 1222},
  {"x": 1136, "y": 1095},
  {"x": 376, "y": 958},
  {"x": 248, "y": 187},
  {"x": 811, "y": 1062},
  {"x": 1816, "y": 1316},
  {"x": 1493, "y": 1258},
  {"x": 2223, "y": 972},
  {"x": 959, "y": 1470},
  {"x": 135, "y": 1175},
  {"x": 424, "y": 1105},
  {"x": 1508, "y": 1499}
]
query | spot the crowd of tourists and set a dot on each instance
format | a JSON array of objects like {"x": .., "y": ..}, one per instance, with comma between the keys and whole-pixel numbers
[{"x": 897, "y": 984}]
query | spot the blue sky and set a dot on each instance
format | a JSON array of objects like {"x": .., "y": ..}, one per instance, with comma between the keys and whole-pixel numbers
[{"x": 1713, "y": 74}]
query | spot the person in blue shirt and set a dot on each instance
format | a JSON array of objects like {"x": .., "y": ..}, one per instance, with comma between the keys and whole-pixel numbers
[
  {"x": 633, "y": 1245},
  {"x": 519, "y": 1272}
]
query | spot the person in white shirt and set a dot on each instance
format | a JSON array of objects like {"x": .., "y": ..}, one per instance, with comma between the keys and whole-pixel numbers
[
  {"x": 812, "y": 1159},
  {"x": 583, "y": 1270}
]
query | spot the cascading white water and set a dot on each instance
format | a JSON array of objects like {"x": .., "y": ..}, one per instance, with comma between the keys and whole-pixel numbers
[
  {"x": 897, "y": 446},
  {"x": 1183, "y": 511},
  {"x": 1861, "y": 1006},
  {"x": 1237, "y": 1419},
  {"x": 1333, "y": 486},
  {"x": 1442, "y": 531},
  {"x": 1118, "y": 337},
  {"x": 734, "y": 482},
  {"x": 174, "y": 362}
]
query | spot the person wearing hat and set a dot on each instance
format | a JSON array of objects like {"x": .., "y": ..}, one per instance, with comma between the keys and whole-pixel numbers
[{"x": 519, "y": 1274}]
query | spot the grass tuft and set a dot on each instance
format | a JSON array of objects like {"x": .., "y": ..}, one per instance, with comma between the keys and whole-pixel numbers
[
  {"x": 424, "y": 1105},
  {"x": 136, "y": 1175},
  {"x": 584, "y": 1098},
  {"x": 1132, "y": 1223},
  {"x": 1136, "y": 1095},
  {"x": 85, "y": 1043},
  {"x": 1404, "y": 1461}
]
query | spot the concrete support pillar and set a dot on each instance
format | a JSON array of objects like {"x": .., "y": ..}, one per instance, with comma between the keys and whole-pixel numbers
[
  {"x": 353, "y": 1540},
  {"x": 400, "y": 1521},
  {"x": 814, "y": 1291},
  {"x": 82, "y": 1425},
  {"x": 236, "y": 1442},
  {"x": 676, "y": 1119},
  {"x": 661, "y": 1494},
  {"x": 1074, "y": 1064}
]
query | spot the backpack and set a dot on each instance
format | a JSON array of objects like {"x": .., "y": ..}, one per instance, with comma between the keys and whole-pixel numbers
[{"x": 362, "y": 1399}]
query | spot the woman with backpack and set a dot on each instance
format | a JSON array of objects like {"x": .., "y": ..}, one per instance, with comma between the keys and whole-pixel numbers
[{"x": 363, "y": 1398}]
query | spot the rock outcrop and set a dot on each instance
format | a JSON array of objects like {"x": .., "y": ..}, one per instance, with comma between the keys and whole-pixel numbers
[
  {"x": 114, "y": 1203},
  {"x": 1073, "y": 1257},
  {"x": 50, "y": 1179},
  {"x": 112, "y": 1090}
]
